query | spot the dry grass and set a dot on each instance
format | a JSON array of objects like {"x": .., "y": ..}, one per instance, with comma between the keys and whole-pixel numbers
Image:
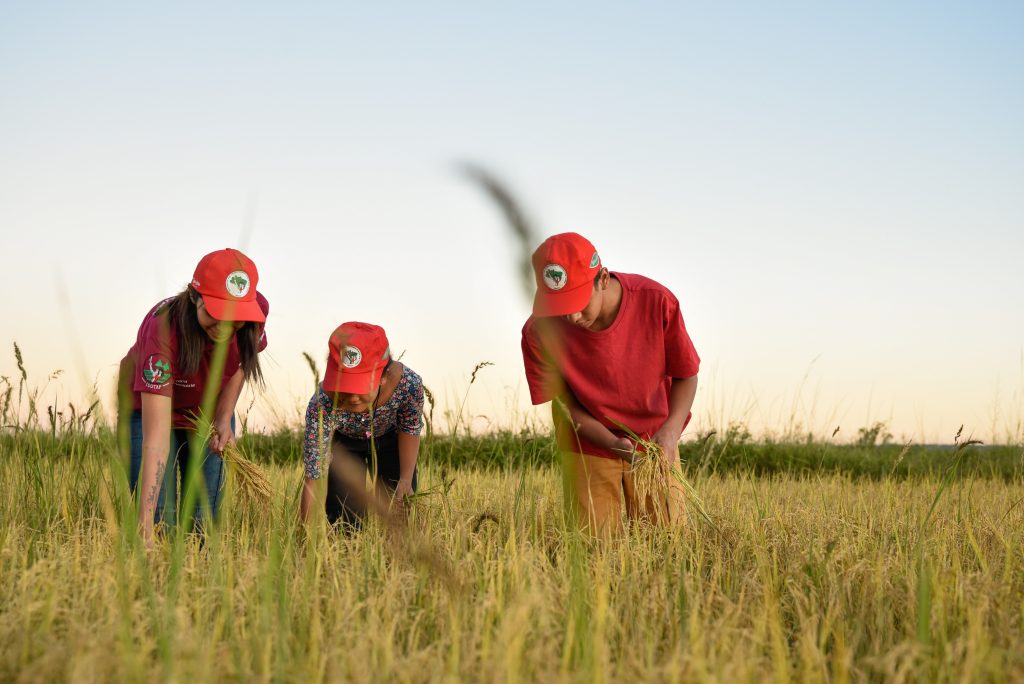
[{"x": 808, "y": 579}]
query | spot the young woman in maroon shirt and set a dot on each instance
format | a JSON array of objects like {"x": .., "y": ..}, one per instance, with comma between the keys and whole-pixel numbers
[{"x": 192, "y": 355}]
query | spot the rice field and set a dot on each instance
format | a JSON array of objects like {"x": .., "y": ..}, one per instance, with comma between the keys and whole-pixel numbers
[{"x": 802, "y": 577}]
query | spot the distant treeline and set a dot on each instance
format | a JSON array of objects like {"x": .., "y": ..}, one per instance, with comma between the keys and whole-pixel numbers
[{"x": 708, "y": 454}]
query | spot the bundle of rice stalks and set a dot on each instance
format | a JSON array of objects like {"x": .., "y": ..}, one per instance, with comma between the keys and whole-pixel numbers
[
  {"x": 653, "y": 478},
  {"x": 651, "y": 482},
  {"x": 252, "y": 486}
]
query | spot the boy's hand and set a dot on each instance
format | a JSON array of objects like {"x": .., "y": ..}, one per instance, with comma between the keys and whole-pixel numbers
[
  {"x": 623, "y": 447},
  {"x": 668, "y": 440}
]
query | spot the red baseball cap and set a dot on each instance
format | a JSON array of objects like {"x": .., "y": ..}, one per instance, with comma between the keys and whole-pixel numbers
[
  {"x": 565, "y": 266},
  {"x": 227, "y": 281},
  {"x": 357, "y": 355}
]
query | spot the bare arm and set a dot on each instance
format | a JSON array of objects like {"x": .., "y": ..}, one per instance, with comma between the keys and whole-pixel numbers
[
  {"x": 309, "y": 499},
  {"x": 680, "y": 402},
  {"x": 591, "y": 429},
  {"x": 408, "y": 452},
  {"x": 225, "y": 410},
  {"x": 156, "y": 444}
]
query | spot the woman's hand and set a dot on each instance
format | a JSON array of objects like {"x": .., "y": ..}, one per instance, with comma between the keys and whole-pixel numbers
[
  {"x": 402, "y": 490},
  {"x": 222, "y": 435}
]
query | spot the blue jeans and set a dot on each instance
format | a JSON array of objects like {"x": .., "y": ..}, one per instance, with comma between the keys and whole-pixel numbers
[{"x": 210, "y": 472}]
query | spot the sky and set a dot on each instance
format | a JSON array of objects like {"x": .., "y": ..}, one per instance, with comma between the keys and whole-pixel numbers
[{"x": 832, "y": 191}]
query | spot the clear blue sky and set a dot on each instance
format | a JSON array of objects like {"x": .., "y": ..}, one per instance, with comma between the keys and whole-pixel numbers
[{"x": 832, "y": 192}]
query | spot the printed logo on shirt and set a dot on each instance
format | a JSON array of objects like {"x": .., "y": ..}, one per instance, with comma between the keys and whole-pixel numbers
[
  {"x": 156, "y": 371},
  {"x": 162, "y": 306},
  {"x": 237, "y": 283},
  {"x": 594, "y": 260},
  {"x": 351, "y": 356},
  {"x": 554, "y": 277}
]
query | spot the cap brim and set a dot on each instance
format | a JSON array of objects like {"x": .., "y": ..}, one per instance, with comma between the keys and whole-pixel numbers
[
  {"x": 234, "y": 309},
  {"x": 351, "y": 382},
  {"x": 562, "y": 302}
]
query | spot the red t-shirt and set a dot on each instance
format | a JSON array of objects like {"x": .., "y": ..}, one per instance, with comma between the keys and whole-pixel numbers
[
  {"x": 622, "y": 373},
  {"x": 150, "y": 365}
]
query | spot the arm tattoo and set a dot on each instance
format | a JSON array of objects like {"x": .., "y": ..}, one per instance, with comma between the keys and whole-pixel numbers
[{"x": 154, "y": 491}]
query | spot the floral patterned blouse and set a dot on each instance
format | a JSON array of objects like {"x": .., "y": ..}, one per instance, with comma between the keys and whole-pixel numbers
[{"x": 404, "y": 410}]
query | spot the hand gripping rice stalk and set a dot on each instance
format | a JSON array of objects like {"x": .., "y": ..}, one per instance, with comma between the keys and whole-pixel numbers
[
  {"x": 652, "y": 478},
  {"x": 252, "y": 486}
]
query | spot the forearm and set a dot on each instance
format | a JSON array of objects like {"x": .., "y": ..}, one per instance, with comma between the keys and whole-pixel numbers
[
  {"x": 154, "y": 462},
  {"x": 408, "y": 453},
  {"x": 588, "y": 427},
  {"x": 680, "y": 403},
  {"x": 308, "y": 500},
  {"x": 156, "y": 447},
  {"x": 229, "y": 398}
]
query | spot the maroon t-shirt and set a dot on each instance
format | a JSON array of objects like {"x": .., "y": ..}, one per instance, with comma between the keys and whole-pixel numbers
[
  {"x": 153, "y": 359},
  {"x": 623, "y": 373}
]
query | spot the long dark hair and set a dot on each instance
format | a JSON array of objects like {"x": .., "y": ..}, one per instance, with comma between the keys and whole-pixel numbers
[{"x": 192, "y": 339}]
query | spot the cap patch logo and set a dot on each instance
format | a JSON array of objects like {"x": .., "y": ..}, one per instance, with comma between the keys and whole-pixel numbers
[
  {"x": 594, "y": 260},
  {"x": 157, "y": 370},
  {"x": 554, "y": 277},
  {"x": 351, "y": 356},
  {"x": 237, "y": 283}
]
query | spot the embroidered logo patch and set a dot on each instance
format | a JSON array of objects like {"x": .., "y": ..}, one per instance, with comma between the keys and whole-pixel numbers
[
  {"x": 594, "y": 260},
  {"x": 156, "y": 370},
  {"x": 554, "y": 277},
  {"x": 351, "y": 356},
  {"x": 237, "y": 283}
]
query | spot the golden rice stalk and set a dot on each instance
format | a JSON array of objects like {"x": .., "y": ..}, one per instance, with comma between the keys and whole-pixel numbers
[
  {"x": 252, "y": 483},
  {"x": 652, "y": 477}
]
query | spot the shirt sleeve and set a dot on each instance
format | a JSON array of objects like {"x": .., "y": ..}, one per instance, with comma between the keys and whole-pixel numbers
[
  {"x": 541, "y": 375},
  {"x": 157, "y": 356},
  {"x": 681, "y": 360},
  {"x": 318, "y": 433},
  {"x": 410, "y": 412}
]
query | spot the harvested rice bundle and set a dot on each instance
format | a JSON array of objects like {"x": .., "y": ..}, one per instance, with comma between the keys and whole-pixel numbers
[
  {"x": 252, "y": 485},
  {"x": 653, "y": 478},
  {"x": 651, "y": 482}
]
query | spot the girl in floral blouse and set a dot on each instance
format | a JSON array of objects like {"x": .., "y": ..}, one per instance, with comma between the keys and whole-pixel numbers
[{"x": 370, "y": 406}]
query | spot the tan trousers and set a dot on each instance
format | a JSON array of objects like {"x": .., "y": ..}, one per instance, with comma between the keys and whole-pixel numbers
[{"x": 598, "y": 486}]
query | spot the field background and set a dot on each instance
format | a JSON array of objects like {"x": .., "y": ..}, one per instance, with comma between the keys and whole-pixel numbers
[{"x": 825, "y": 561}]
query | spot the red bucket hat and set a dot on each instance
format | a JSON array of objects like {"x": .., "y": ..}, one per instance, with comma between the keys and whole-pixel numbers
[
  {"x": 357, "y": 355},
  {"x": 227, "y": 281},
  {"x": 565, "y": 266}
]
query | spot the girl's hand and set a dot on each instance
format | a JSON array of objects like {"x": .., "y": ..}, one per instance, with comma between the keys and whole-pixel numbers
[
  {"x": 402, "y": 490},
  {"x": 222, "y": 436}
]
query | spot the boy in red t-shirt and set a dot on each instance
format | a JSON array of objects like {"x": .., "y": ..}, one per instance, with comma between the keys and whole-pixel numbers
[{"x": 613, "y": 347}]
